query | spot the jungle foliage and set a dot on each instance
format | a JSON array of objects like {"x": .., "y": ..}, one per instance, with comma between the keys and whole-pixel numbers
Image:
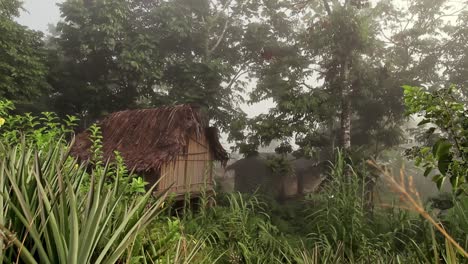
[
  {"x": 344, "y": 78},
  {"x": 333, "y": 69},
  {"x": 55, "y": 210}
]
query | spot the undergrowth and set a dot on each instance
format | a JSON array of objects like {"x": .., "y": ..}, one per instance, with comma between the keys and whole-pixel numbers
[{"x": 56, "y": 210}]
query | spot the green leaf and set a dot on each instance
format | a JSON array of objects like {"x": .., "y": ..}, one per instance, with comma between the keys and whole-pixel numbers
[
  {"x": 423, "y": 122},
  {"x": 455, "y": 181},
  {"x": 444, "y": 164},
  {"x": 441, "y": 151},
  {"x": 427, "y": 171},
  {"x": 425, "y": 150},
  {"x": 441, "y": 148},
  {"x": 430, "y": 131},
  {"x": 439, "y": 180}
]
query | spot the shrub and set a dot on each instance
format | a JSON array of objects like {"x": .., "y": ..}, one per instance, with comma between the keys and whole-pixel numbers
[{"x": 448, "y": 116}]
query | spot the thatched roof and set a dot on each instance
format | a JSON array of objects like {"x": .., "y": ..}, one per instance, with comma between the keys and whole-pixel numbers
[{"x": 148, "y": 138}]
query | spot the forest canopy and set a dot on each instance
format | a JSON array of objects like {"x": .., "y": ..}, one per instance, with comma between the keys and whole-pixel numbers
[
  {"x": 334, "y": 70},
  {"x": 356, "y": 89}
]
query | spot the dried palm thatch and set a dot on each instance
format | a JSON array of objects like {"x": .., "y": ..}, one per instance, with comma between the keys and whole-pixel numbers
[{"x": 148, "y": 138}]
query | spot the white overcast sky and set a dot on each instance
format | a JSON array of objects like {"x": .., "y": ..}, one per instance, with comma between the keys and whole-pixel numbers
[{"x": 39, "y": 13}]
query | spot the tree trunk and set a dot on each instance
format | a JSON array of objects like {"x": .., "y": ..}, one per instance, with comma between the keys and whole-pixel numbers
[
  {"x": 346, "y": 123},
  {"x": 300, "y": 184},
  {"x": 345, "y": 108},
  {"x": 369, "y": 194}
]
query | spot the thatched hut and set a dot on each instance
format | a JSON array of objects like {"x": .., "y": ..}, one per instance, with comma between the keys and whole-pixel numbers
[
  {"x": 171, "y": 144},
  {"x": 254, "y": 174}
]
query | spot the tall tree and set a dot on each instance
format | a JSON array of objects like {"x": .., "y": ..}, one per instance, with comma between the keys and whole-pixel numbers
[
  {"x": 122, "y": 54},
  {"x": 455, "y": 51},
  {"x": 22, "y": 58},
  {"x": 204, "y": 53},
  {"x": 348, "y": 35},
  {"x": 105, "y": 56},
  {"x": 351, "y": 59}
]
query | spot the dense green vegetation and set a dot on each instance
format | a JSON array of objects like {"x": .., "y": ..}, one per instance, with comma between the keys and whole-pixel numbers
[
  {"x": 344, "y": 77},
  {"x": 57, "y": 211},
  {"x": 333, "y": 69}
]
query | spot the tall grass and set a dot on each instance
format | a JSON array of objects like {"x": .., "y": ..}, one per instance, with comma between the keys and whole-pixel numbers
[
  {"x": 339, "y": 228},
  {"x": 238, "y": 230},
  {"x": 412, "y": 201},
  {"x": 341, "y": 222}
]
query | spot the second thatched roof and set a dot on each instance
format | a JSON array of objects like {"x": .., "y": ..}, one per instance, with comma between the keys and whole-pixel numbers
[{"x": 148, "y": 138}]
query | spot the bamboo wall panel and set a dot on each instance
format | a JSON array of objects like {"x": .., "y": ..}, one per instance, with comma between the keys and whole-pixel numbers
[
  {"x": 197, "y": 161},
  {"x": 190, "y": 172},
  {"x": 166, "y": 176},
  {"x": 179, "y": 173}
]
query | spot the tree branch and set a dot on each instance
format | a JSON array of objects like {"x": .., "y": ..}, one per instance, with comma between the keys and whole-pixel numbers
[
  {"x": 220, "y": 37},
  {"x": 238, "y": 74},
  {"x": 306, "y": 85},
  {"x": 222, "y": 10},
  {"x": 327, "y": 7},
  {"x": 216, "y": 17},
  {"x": 215, "y": 7}
]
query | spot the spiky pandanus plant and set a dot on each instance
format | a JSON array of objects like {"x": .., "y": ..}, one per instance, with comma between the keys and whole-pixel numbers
[{"x": 46, "y": 216}]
